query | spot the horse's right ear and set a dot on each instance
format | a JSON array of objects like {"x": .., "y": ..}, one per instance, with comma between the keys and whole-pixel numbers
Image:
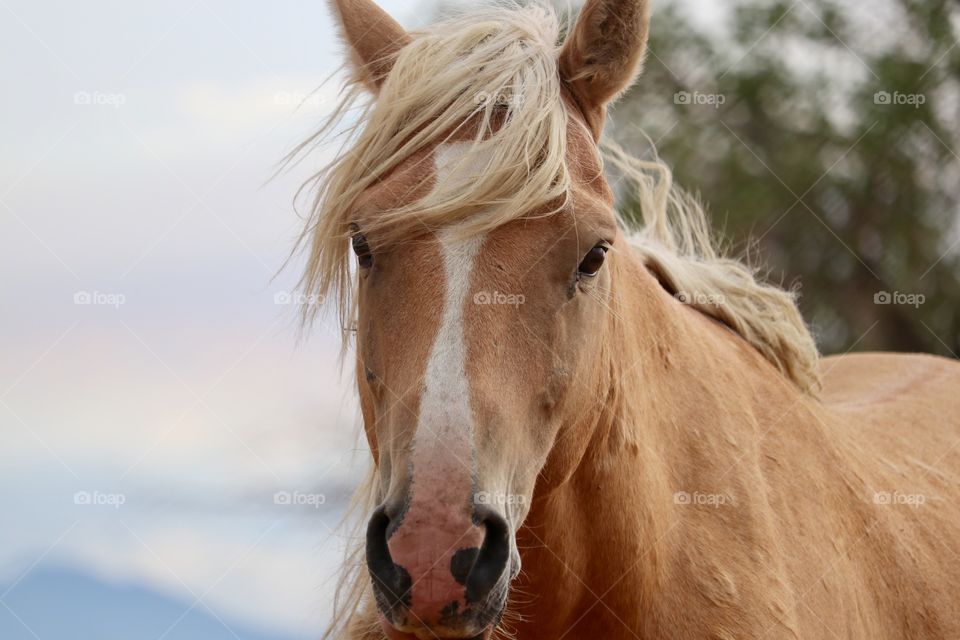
[
  {"x": 372, "y": 37},
  {"x": 603, "y": 53}
]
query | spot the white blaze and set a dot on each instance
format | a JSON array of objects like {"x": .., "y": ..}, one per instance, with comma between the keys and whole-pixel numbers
[
  {"x": 445, "y": 423},
  {"x": 443, "y": 457}
]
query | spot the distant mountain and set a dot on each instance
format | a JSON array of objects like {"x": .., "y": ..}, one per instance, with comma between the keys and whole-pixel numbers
[{"x": 61, "y": 604}]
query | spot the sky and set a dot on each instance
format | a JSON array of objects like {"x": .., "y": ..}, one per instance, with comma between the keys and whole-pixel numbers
[{"x": 154, "y": 396}]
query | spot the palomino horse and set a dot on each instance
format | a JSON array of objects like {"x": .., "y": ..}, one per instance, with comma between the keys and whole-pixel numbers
[{"x": 579, "y": 430}]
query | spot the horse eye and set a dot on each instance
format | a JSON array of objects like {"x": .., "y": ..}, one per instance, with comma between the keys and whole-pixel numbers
[
  {"x": 362, "y": 249},
  {"x": 591, "y": 263}
]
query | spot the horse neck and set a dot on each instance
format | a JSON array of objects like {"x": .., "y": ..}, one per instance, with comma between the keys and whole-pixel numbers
[
  {"x": 677, "y": 381},
  {"x": 682, "y": 395}
]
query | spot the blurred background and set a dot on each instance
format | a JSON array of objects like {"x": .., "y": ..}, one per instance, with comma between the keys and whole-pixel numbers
[
  {"x": 824, "y": 138},
  {"x": 174, "y": 461}
]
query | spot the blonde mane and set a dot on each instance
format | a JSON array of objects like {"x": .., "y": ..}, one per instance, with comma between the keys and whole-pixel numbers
[
  {"x": 674, "y": 238},
  {"x": 495, "y": 71}
]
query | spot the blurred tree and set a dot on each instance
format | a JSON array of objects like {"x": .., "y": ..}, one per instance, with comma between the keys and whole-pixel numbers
[{"x": 829, "y": 135}]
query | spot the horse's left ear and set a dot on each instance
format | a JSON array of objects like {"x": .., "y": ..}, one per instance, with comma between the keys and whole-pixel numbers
[
  {"x": 603, "y": 53},
  {"x": 373, "y": 37}
]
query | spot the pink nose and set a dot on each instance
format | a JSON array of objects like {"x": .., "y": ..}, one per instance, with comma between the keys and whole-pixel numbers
[
  {"x": 442, "y": 570},
  {"x": 438, "y": 549}
]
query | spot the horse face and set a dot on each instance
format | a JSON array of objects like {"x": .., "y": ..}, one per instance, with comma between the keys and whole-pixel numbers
[
  {"x": 475, "y": 348},
  {"x": 470, "y": 348}
]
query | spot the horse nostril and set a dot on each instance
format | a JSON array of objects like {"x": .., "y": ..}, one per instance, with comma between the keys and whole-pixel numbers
[
  {"x": 392, "y": 582},
  {"x": 491, "y": 561}
]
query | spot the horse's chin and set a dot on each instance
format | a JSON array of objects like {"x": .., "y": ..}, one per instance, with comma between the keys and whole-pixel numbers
[
  {"x": 393, "y": 633},
  {"x": 399, "y": 635}
]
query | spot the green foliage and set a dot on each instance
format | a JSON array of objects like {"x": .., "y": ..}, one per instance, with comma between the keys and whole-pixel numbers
[{"x": 828, "y": 135}]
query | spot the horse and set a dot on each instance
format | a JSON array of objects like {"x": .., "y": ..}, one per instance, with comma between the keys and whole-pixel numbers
[{"x": 584, "y": 425}]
